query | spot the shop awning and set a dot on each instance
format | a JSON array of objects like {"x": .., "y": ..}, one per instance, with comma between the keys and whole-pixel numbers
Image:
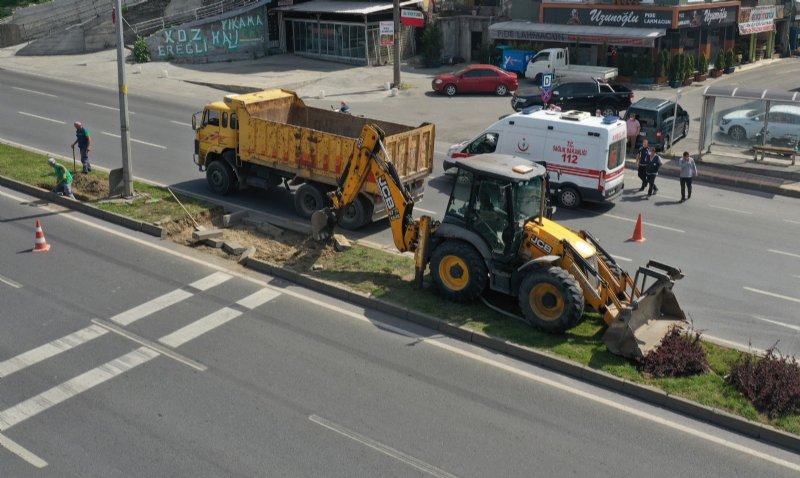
[
  {"x": 344, "y": 7},
  {"x": 544, "y": 32}
]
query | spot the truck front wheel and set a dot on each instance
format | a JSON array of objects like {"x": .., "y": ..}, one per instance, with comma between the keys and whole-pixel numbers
[
  {"x": 220, "y": 177},
  {"x": 458, "y": 271},
  {"x": 551, "y": 299},
  {"x": 308, "y": 199}
]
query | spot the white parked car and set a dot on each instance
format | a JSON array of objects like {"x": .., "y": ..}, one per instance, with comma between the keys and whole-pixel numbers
[{"x": 784, "y": 120}]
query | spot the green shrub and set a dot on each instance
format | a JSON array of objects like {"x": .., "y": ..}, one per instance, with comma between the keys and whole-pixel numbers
[
  {"x": 689, "y": 66},
  {"x": 703, "y": 64},
  {"x": 141, "y": 54},
  {"x": 431, "y": 45},
  {"x": 679, "y": 355},
  {"x": 676, "y": 68},
  {"x": 729, "y": 59},
  {"x": 771, "y": 383},
  {"x": 719, "y": 62}
]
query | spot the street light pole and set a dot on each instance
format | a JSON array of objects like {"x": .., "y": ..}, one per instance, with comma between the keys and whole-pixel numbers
[
  {"x": 396, "y": 15},
  {"x": 127, "y": 172}
]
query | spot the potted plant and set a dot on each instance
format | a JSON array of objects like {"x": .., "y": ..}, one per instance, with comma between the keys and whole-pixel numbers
[
  {"x": 644, "y": 73},
  {"x": 676, "y": 68},
  {"x": 702, "y": 71},
  {"x": 730, "y": 66},
  {"x": 662, "y": 67},
  {"x": 746, "y": 56},
  {"x": 719, "y": 64},
  {"x": 688, "y": 69}
]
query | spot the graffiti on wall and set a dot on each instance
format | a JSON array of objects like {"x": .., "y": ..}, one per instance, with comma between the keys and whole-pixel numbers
[{"x": 230, "y": 35}]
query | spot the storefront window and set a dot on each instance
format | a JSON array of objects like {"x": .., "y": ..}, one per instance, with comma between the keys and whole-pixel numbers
[{"x": 329, "y": 39}]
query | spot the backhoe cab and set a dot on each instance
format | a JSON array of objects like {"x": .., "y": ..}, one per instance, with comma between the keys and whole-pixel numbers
[{"x": 497, "y": 234}]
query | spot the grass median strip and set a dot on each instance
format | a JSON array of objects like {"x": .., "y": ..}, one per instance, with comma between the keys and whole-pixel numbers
[{"x": 389, "y": 277}]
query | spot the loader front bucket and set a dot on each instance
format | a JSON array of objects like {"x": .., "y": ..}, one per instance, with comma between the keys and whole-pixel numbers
[{"x": 640, "y": 327}]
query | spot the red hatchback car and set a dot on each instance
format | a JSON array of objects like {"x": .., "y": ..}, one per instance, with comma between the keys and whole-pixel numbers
[{"x": 476, "y": 79}]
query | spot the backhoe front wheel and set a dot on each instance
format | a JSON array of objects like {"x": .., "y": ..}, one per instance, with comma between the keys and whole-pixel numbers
[
  {"x": 551, "y": 299},
  {"x": 458, "y": 271}
]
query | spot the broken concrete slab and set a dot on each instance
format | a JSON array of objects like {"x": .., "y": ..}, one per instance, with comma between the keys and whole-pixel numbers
[
  {"x": 270, "y": 230},
  {"x": 233, "y": 218},
  {"x": 207, "y": 234},
  {"x": 214, "y": 242},
  {"x": 250, "y": 251},
  {"x": 340, "y": 243},
  {"x": 233, "y": 248}
]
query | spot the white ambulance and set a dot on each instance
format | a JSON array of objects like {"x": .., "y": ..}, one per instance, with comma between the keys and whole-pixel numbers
[{"x": 584, "y": 154}]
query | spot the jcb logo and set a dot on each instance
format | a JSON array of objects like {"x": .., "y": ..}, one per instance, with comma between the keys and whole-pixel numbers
[
  {"x": 386, "y": 193},
  {"x": 538, "y": 242}
]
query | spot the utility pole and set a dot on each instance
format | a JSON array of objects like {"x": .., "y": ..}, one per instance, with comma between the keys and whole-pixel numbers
[
  {"x": 127, "y": 171},
  {"x": 396, "y": 43}
]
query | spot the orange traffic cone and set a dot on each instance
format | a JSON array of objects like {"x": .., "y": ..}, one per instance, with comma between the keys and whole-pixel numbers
[
  {"x": 40, "y": 245},
  {"x": 637, "y": 231}
]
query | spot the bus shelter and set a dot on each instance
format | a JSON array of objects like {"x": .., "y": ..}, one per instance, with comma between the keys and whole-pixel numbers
[{"x": 735, "y": 119}]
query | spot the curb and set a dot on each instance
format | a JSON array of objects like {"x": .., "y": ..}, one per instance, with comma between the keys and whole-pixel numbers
[
  {"x": 595, "y": 377},
  {"x": 646, "y": 393}
]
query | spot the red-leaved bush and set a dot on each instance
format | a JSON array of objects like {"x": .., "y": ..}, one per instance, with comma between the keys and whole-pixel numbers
[
  {"x": 771, "y": 383},
  {"x": 679, "y": 354}
]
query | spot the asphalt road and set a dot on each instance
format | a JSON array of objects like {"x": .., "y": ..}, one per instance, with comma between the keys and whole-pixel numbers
[
  {"x": 736, "y": 246},
  {"x": 124, "y": 357}
]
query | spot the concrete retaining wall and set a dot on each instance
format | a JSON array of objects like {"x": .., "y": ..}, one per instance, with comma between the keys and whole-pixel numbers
[{"x": 239, "y": 35}]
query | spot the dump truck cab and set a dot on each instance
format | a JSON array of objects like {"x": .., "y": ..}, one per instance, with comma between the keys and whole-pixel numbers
[{"x": 217, "y": 131}]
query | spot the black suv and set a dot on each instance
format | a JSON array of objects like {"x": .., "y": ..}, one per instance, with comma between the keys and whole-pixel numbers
[
  {"x": 581, "y": 94},
  {"x": 655, "y": 118}
]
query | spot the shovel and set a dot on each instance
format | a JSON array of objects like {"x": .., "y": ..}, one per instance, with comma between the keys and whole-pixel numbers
[{"x": 73, "y": 160}]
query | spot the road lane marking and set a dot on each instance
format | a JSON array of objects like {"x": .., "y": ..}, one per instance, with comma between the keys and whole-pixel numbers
[
  {"x": 87, "y": 380},
  {"x": 782, "y": 324},
  {"x": 199, "y": 327},
  {"x": 180, "y": 123},
  {"x": 48, "y": 350},
  {"x": 143, "y": 310},
  {"x": 125, "y": 235},
  {"x": 740, "y": 211},
  {"x": 10, "y": 282},
  {"x": 134, "y": 140},
  {"x": 772, "y": 294},
  {"x": 258, "y": 298},
  {"x": 149, "y": 343},
  {"x": 107, "y": 107},
  {"x": 21, "y": 452},
  {"x": 34, "y": 91},
  {"x": 41, "y": 117},
  {"x": 378, "y": 446},
  {"x": 210, "y": 281},
  {"x": 646, "y": 223},
  {"x": 784, "y": 253},
  {"x": 793, "y": 222}
]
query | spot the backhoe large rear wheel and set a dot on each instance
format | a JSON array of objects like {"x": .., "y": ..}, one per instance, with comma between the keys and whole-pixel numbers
[
  {"x": 458, "y": 271},
  {"x": 551, "y": 299}
]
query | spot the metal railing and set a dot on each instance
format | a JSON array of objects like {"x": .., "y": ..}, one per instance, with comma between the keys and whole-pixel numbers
[{"x": 149, "y": 26}]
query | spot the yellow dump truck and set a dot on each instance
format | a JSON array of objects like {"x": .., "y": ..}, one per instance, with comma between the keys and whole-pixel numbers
[{"x": 272, "y": 138}]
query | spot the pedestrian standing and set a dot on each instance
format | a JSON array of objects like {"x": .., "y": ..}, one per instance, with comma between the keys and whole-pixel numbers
[
  {"x": 633, "y": 126},
  {"x": 84, "y": 142},
  {"x": 688, "y": 171},
  {"x": 643, "y": 155},
  {"x": 63, "y": 179},
  {"x": 654, "y": 163}
]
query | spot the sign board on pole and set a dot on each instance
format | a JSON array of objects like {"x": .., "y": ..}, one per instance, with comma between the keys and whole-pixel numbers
[
  {"x": 547, "y": 95},
  {"x": 547, "y": 81},
  {"x": 386, "y": 30},
  {"x": 412, "y": 18}
]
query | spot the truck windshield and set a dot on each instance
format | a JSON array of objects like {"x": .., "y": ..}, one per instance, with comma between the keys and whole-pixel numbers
[
  {"x": 542, "y": 57},
  {"x": 528, "y": 200}
]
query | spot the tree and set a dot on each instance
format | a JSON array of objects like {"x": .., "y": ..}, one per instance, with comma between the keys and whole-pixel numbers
[
  {"x": 141, "y": 54},
  {"x": 689, "y": 66},
  {"x": 432, "y": 45}
]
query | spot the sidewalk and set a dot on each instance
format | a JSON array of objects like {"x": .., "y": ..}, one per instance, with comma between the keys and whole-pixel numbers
[{"x": 312, "y": 78}]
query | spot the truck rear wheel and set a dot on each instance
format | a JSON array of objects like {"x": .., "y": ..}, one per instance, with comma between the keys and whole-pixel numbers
[
  {"x": 308, "y": 199},
  {"x": 609, "y": 110},
  {"x": 220, "y": 177},
  {"x": 569, "y": 197},
  {"x": 551, "y": 299},
  {"x": 357, "y": 214},
  {"x": 458, "y": 271}
]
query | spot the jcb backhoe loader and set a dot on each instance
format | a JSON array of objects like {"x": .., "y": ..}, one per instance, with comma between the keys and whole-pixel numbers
[{"x": 497, "y": 234}]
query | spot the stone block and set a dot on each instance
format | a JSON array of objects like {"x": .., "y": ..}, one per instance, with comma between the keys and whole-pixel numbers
[
  {"x": 270, "y": 230},
  {"x": 233, "y": 218},
  {"x": 214, "y": 242},
  {"x": 340, "y": 243},
  {"x": 249, "y": 252},
  {"x": 207, "y": 234},
  {"x": 233, "y": 248}
]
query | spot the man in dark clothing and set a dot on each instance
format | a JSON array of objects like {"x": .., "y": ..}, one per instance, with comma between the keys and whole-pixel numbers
[
  {"x": 653, "y": 164},
  {"x": 84, "y": 142},
  {"x": 643, "y": 154}
]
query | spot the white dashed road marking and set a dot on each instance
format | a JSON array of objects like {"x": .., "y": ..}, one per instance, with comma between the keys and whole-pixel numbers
[
  {"x": 34, "y": 92},
  {"x": 41, "y": 117}
]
